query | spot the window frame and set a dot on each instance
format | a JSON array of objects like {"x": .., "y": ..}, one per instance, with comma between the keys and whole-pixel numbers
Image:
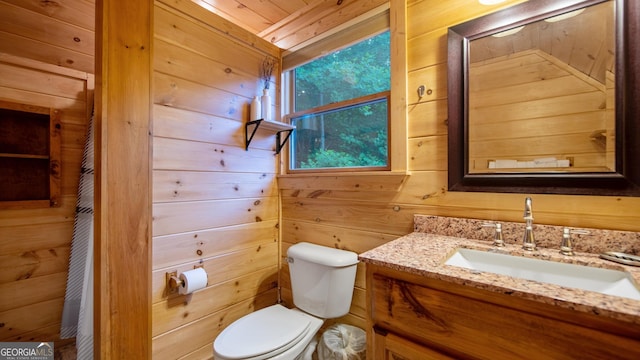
[
  {"x": 288, "y": 90},
  {"x": 338, "y": 106},
  {"x": 396, "y": 18}
]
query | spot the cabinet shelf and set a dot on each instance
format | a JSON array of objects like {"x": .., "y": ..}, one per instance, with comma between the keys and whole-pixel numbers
[
  {"x": 275, "y": 126},
  {"x": 24, "y": 156},
  {"x": 30, "y": 165}
]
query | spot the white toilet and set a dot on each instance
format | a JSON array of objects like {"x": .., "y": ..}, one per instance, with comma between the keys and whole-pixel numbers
[{"x": 322, "y": 280}]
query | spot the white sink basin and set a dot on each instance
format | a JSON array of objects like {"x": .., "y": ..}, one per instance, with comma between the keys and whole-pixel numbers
[{"x": 605, "y": 281}]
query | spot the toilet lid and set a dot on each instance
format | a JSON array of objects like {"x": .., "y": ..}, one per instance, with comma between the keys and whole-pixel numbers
[{"x": 272, "y": 329}]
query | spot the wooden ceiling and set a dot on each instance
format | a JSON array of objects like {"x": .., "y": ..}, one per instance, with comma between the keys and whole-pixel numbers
[
  {"x": 289, "y": 24},
  {"x": 62, "y": 32}
]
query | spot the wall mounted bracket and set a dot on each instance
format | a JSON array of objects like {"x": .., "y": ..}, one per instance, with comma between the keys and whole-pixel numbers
[
  {"x": 276, "y": 126},
  {"x": 172, "y": 281}
]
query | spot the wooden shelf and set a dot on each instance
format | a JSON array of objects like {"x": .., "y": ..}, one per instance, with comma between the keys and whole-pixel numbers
[
  {"x": 30, "y": 164},
  {"x": 24, "y": 156},
  {"x": 275, "y": 126}
]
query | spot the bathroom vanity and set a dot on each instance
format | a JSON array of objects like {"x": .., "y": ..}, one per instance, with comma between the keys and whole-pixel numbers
[{"x": 420, "y": 308}]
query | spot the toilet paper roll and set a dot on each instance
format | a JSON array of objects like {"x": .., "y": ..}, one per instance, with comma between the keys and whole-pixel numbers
[{"x": 193, "y": 280}]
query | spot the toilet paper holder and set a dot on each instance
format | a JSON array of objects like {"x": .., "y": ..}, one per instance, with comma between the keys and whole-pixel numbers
[{"x": 173, "y": 281}]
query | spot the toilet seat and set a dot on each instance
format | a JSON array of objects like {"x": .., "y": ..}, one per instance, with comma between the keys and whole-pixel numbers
[{"x": 263, "y": 334}]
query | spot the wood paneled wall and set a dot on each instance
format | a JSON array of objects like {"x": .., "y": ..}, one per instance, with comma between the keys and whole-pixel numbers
[
  {"x": 356, "y": 212},
  {"x": 53, "y": 32},
  {"x": 46, "y": 59},
  {"x": 35, "y": 243},
  {"x": 426, "y": 186},
  {"x": 214, "y": 204}
]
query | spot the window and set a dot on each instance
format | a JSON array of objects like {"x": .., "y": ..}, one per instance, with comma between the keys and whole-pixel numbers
[{"x": 341, "y": 109}]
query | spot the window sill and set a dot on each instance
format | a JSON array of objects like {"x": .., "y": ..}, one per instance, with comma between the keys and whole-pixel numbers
[{"x": 351, "y": 181}]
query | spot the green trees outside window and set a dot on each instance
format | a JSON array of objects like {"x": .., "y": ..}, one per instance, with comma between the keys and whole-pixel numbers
[{"x": 341, "y": 108}]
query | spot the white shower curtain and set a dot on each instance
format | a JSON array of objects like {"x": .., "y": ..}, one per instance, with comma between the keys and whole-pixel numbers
[{"x": 77, "y": 314}]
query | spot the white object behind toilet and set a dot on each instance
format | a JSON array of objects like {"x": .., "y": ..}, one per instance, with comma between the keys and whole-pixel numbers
[{"x": 322, "y": 279}]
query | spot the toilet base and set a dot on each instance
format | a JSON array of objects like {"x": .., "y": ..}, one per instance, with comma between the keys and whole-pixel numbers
[{"x": 296, "y": 352}]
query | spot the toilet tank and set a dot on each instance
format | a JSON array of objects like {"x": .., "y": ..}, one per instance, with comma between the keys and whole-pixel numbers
[{"x": 322, "y": 279}]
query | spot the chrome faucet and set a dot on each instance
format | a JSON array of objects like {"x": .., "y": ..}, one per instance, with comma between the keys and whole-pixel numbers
[
  {"x": 529, "y": 242},
  {"x": 566, "y": 247},
  {"x": 497, "y": 237}
]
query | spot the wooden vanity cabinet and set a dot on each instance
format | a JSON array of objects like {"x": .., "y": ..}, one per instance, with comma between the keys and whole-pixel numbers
[
  {"x": 414, "y": 317},
  {"x": 393, "y": 347}
]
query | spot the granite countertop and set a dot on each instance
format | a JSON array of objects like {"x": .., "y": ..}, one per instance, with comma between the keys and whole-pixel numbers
[{"x": 424, "y": 254}]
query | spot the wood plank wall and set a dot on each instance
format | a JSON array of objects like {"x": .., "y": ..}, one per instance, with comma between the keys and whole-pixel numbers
[
  {"x": 53, "y": 32},
  {"x": 358, "y": 213},
  {"x": 46, "y": 59},
  {"x": 214, "y": 204}
]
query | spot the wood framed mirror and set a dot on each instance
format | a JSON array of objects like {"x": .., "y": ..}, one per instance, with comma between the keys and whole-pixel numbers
[{"x": 544, "y": 97}]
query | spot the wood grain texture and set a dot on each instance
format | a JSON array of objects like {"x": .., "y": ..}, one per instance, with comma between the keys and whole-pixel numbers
[
  {"x": 538, "y": 122},
  {"x": 80, "y": 13},
  {"x": 394, "y": 347},
  {"x": 215, "y": 204},
  {"x": 32, "y": 264},
  {"x": 42, "y": 318},
  {"x": 202, "y": 332},
  {"x": 178, "y": 310},
  {"x": 186, "y": 247},
  {"x": 34, "y": 251},
  {"x": 334, "y": 213},
  {"x": 217, "y": 22},
  {"x": 461, "y": 321},
  {"x": 62, "y": 35},
  {"x": 317, "y": 18},
  {"x": 184, "y": 116},
  {"x": 123, "y": 180}
]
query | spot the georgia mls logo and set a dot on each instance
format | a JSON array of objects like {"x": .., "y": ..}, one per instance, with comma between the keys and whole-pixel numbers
[
  {"x": 26, "y": 351},
  {"x": 47, "y": 346}
]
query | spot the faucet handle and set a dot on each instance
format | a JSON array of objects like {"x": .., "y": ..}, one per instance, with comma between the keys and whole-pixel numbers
[
  {"x": 497, "y": 237},
  {"x": 566, "y": 247},
  {"x": 528, "y": 210}
]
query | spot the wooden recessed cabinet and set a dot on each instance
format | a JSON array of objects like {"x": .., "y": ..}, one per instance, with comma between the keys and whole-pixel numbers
[
  {"x": 412, "y": 317},
  {"x": 29, "y": 156}
]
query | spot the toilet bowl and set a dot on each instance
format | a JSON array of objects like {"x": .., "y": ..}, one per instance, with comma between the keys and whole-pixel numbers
[
  {"x": 274, "y": 332},
  {"x": 322, "y": 281}
]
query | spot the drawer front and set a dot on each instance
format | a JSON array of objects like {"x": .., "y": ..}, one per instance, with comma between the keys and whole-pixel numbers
[
  {"x": 397, "y": 348},
  {"x": 472, "y": 328}
]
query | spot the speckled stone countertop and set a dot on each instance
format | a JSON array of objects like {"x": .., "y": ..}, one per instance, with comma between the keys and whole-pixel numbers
[
  {"x": 424, "y": 254},
  {"x": 547, "y": 236}
]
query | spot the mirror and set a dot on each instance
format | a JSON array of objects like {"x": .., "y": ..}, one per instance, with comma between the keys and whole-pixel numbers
[
  {"x": 541, "y": 95},
  {"x": 543, "y": 99}
]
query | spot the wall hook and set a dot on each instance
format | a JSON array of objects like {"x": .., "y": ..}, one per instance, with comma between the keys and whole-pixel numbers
[{"x": 421, "y": 89}]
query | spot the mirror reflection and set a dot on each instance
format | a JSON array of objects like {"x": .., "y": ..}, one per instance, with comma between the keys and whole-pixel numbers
[{"x": 541, "y": 96}]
